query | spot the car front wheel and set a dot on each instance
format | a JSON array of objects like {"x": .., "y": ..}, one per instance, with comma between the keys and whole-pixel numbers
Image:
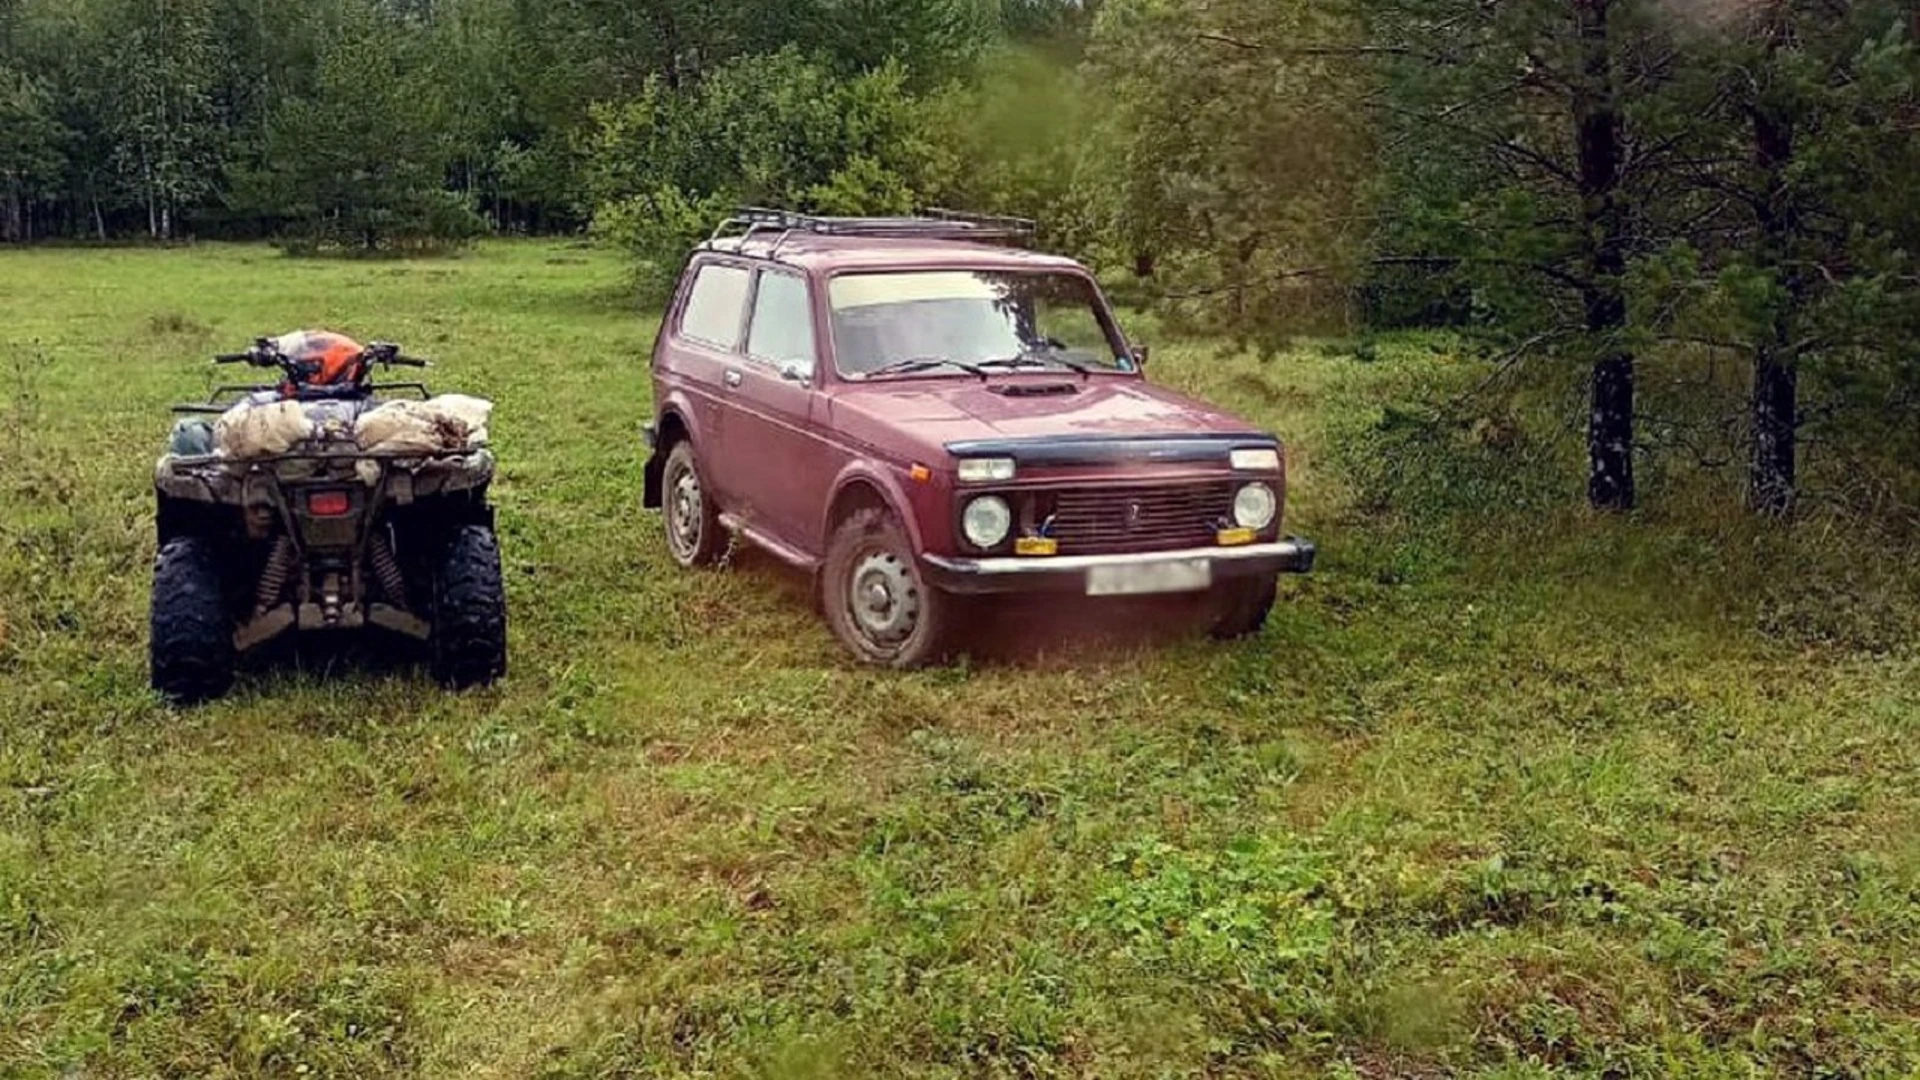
[
  {"x": 1240, "y": 607},
  {"x": 877, "y": 601}
]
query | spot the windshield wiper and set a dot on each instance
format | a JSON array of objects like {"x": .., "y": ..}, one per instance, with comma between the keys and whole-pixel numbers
[
  {"x": 912, "y": 364},
  {"x": 1030, "y": 360}
]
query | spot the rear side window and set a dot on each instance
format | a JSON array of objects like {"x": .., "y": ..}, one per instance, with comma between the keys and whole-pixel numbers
[
  {"x": 782, "y": 332},
  {"x": 716, "y": 306}
]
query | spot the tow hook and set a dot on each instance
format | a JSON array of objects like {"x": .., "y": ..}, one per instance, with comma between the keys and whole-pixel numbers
[{"x": 330, "y": 599}]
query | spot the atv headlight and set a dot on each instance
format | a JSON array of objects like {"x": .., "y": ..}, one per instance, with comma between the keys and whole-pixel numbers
[
  {"x": 985, "y": 470},
  {"x": 1254, "y": 506},
  {"x": 986, "y": 521}
]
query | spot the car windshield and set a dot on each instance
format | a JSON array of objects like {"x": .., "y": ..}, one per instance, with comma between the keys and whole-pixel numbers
[{"x": 960, "y": 322}]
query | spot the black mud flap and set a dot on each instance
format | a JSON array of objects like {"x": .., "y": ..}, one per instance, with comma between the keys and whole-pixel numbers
[{"x": 650, "y": 497}]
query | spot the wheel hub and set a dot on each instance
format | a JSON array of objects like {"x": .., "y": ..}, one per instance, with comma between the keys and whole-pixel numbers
[
  {"x": 884, "y": 599},
  {"x": 684, "y": 517}
]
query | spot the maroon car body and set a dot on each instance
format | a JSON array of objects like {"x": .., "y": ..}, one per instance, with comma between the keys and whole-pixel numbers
[{"x": 1108, "y": 483}]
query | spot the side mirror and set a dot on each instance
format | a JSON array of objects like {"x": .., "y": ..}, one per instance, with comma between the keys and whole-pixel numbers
[{"x": 1140, "y": 354}]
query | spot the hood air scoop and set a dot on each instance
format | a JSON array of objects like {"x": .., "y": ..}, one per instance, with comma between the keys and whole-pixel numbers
[{"x": 1027, "y": 389}]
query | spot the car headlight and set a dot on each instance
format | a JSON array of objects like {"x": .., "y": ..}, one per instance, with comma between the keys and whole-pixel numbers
[
  {"x": 1254, "y": 507},
  {"x": 985, "y": 470},
  {"x": 1256, "y": 460},
  {"x": 987, "y": 521}
]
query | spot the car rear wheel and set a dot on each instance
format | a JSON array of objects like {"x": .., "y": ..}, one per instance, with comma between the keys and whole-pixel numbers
[
  {"x": 877, "y": 602},
  {"x": 1240, "y": 606},
  {"x": 469, "y": 640},
  {"x": 693, "y": 522},
  {"x": 190, "y": 640}
]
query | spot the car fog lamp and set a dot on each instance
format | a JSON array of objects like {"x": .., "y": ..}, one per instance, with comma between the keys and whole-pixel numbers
[
  {"x": 1254, "y": 507},
  {"x": 985, "y": 470},
  {"x": 986, "y": 521}
]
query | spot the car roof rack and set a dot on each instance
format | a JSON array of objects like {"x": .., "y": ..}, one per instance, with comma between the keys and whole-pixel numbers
[{"x": 753, "y": 222}]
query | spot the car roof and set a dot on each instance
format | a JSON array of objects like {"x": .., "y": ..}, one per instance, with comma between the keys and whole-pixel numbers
[{"x": 833, "y": 254}]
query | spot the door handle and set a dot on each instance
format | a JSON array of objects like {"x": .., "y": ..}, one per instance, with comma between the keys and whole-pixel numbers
[{"x": 733, "y": 380}]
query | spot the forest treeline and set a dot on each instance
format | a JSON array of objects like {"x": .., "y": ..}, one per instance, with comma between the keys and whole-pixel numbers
[{"x": 1720, "y": 190}]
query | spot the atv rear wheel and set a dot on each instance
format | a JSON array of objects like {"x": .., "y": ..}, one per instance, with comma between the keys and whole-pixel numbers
[
  {"x": 190, "y": 639},
  {"x": 469, "y": 641}
]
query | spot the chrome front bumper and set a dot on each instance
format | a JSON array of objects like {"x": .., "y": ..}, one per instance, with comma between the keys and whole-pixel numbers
[{"x": 1023, "y": 573}]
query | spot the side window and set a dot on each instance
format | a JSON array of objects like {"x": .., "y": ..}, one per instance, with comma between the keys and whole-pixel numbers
[
  {"x": 715, "y": 306},
  {"x": 782, "y": 332}
]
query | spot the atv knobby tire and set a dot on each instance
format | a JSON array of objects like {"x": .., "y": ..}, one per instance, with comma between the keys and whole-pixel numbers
[
  {"x": 190, "y": 641},
  {"x": 469, "y": 644}
]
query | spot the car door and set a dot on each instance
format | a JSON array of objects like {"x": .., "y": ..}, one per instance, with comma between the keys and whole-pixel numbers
[
  {"x": 708, "y": 331},
  {"x": 781, "y": 458}
]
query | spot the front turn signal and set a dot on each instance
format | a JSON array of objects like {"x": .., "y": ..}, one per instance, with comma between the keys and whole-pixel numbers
[
  {"x": 1036, "y": 546},
  {"x": 1236, "y": 537}
]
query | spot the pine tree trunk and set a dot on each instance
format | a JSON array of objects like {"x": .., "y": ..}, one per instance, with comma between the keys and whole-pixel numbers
[
  {"x": 1772, "y": 481},
  {"x": 1776, "y": 423},
  {"x": 1598, "y": 133}
]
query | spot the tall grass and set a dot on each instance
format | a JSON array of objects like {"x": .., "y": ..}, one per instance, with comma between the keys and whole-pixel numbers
[{"x": 1504, "y": 790}]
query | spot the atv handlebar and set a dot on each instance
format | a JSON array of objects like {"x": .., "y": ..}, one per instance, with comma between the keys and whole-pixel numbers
[
  {"x": 386, "y": 352},
  {"x": 265, "y": 353}
]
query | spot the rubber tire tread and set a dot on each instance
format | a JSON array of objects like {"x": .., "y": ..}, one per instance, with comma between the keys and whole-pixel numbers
[
  {"x": 190, "y": 650},
  {"x": 933, "y": 640},
  {"x": 1241, "y": 607},
  {"x": 469, "y": 644}
]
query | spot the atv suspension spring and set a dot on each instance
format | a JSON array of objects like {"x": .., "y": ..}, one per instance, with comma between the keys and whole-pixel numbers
[
  {"x": 387, "y": 569},
  {"x": 273, "y": 576}
]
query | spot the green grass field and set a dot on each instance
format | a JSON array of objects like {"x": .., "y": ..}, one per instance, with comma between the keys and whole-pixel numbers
[{"x": 1503, "y": 791}]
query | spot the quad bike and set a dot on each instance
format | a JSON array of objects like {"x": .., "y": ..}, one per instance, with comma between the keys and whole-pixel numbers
[{"x": 321, "y": 533}]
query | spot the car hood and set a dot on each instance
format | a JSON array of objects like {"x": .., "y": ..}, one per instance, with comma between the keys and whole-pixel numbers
[{"x": 929, "y": 414}]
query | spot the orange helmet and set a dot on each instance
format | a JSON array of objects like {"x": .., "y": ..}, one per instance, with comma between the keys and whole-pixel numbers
[{"x": 327, "y": 358}]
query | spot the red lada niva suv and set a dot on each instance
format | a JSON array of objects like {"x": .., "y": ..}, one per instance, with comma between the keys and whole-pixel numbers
[{"x": 921, "y": 411}]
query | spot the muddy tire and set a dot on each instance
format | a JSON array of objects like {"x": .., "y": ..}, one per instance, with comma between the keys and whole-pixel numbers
[
  {"x": 190, "y": 640},
  {"x": 469, "y": 643},
  {"x": 1240, "y": 607},
  {"x": 876, "y": 599},
  {"x": 694, "y": 535}
]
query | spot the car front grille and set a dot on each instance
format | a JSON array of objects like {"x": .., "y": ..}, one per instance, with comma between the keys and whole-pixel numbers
[{"x": 1133, "y": 518}]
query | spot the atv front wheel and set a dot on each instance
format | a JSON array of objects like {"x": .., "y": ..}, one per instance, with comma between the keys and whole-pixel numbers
[
  {"x": 469, "y": 611},
  {"x": 190, "y": 640}
]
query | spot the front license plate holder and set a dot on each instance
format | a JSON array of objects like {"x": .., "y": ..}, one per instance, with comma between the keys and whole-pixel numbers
[{"x": 1144, "y": 579}]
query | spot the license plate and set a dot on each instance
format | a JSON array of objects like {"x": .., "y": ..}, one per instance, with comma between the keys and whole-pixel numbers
[{"x": 1139, "y": 579}]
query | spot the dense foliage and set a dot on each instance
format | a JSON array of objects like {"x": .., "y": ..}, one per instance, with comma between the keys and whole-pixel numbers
[{"x": 1711, "y": 189}]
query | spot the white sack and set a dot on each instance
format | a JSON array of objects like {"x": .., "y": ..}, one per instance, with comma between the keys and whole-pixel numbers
[
  {"x": 249, "y": 431},
  {"x": 446, "y": 424}
]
